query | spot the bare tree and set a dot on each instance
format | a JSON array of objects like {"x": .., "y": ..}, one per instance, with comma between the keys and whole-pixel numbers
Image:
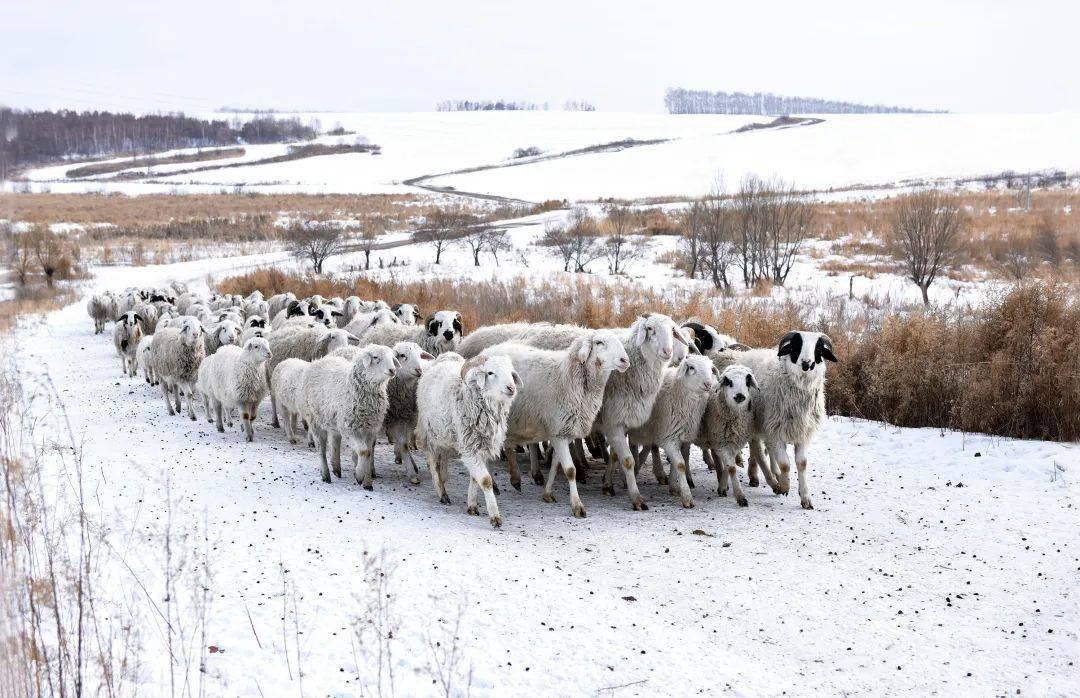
[
  {"x": 558, "y": 239},
  {"x": 772, "y": 224},
  {"x": 475, "y": 234},
  {"x": 925, "y": 226},
  {"x": 574, "y": 243},
  {"x": 21, "y": 254},
  {"x": 48, "y": 252},
  {"x": 371, "y": 227},
  {"x": 1047, "y": 241},
  {"x": 619, "y": 247},
  {"x": 314, "y": 242},
  {"x": 498, "y": 243},
  {"x": 717, "y": 239},
  {"x": 691, "y": 224},
  {"x": 444, "y": 226},
  {"x": 1014, "y": 258}
]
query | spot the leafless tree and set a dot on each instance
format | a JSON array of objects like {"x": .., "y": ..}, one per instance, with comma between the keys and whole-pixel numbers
[
  {"x": 772, "y": 223},
  {"x": 475, "y": 235},
  {"x": 498, "y": 243},
  {"x": 48, "y": 253},
  {"x": 925, "y": 226},
  {"x": 371, "y": 227},
  {"x": 692, "y": 224},
  {"x": 1014, "y": 258},
  {"x": 556, "y": 237},
  {"x": 443, "y": 227},
  {"x": 619, "y": 247},
  {"x": 1047, "y": 242},
  {"x": 21, "y": 254},
  {"x": 314, "y": 242},
  {"x": 574, "y": 243},
  {"x": 717, "y": 239}
]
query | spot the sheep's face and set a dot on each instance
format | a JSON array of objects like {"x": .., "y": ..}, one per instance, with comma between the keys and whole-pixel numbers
[
  {"x": 698, "y": 374},
  {"x": 803, "y": 354},
  {"x": 412, "y": 358},
  {"x": 655, "y": 334},
  {"x": 337, "y": 339},
  {"x": 326, "y": 314},
  {"x": 494, "y": 376},
  {"x": 227, "y": 332},
  {"x": 255, "y": 321},
  {"x": 191, "y": 332},
  {"x": 383, "y": 317},
  {"x": 377, "y": 363},
  {"x": 446, "y": 326},
  {"x": 737, "y": 386},
  {"x": 351, "y": 306},
  {"x": 407, "y": 313},
  {"x": 297, "y": 308},
  {"x": 258, "y": 349},
  {"x": 605, "y": 350}
]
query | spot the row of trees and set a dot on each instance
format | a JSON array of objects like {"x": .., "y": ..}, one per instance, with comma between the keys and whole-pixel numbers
[
  {"x": 41, "y": 251},
  {"x": 583, "y": 240},
  {"x": 31, "y": 137},
  {"x": 485, "y": 105},
  {"x": 681, "y": 101}
]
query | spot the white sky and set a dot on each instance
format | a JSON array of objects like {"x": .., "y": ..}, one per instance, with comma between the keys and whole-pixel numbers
[{"x": 358, "y": 55}]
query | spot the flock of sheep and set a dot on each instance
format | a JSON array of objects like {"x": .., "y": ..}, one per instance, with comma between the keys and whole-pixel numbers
[{"x": 349, "y": 370}]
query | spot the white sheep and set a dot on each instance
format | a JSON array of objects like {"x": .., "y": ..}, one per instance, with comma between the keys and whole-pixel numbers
[
  {"x": 790, "y": 406},
  {"x": 407, "y": 313},
  {"x": 490, "y": 335},
  {"x": 148, "y": 315},
  {"x": 727, "y": 425},
  {"x": 560, "y": 397},
  {"x": 236, "y": 379},
  {"x": 142, "y": 356},
  {"x": 364, "y": 321},
  {"x": 279, "y": 302},
  {"x": 302, "y": 342},
  {"x": 226, "y": 332},
  {"x": 441, "y": 333},
  {"x": 99, "y": 308},
  {"x": 126, "y": 335},
  {"x": 462, "y": 409},
  {"x": 295, "y": 309},
  {"x": 288, "y": 381},
  {"x": 175, "y": 356},
  {"x": 676, "y": 417},
  {"x": 349, "y": 400}
]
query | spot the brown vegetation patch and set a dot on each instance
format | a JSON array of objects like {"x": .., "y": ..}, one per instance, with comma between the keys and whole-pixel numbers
[{"x": 152, "y": 161}]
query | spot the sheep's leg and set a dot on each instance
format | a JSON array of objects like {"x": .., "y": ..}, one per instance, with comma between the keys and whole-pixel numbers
[
  {"x": 398, "y": 434},
  {"x": 725, "y": 459},
  {"x": 596, "y": 447},
  {"x": 397, "y": 449},
  {"x": 757, "y": 462},
  {"x": 437, "y": 479},
  {"x": 707, "y": 456},
  {"x": 320, "y": 437},
  {"x": 515, "y": 473},
  {"x": 335, "y": 453},
  {"x": 616, "y": 438},
  {"x": 217, "y": 411},
  {"x": 804, "y": 485},
  {"x": 677, "y": 478},
  {"x": 479, "y": 475},
  {"x": 563, "y": 459},
  {"x": 778, "y": 453},
  {"x": 206, "y": 407},
  {"x": 168, "y": 397},
  {"x": 577, "y": 452},
  {"x": 273, "y": 400},
  {"x": 684, "y": 449},
  {"x": 657, "y": 466},
  {"x": 176, "y": 397},
  {"x": 471, "y": 507},
  {"x": 191, "y": 404},
  {"x": 364, "y": 470},
  {"x": 248, "y": 414},
  {"x": 534, "y": 464},
  {"x": 289, "y": 419},
  {"x": 721, "y": 472}
]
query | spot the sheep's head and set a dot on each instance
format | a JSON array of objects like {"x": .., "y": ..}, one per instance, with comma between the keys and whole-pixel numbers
[
  {"x": 377, "y": 363},
  {"x": 382, "y": 317},
  {"x": 446, "y": 326},
  {"x": 737, "y": 386},
  {"x": 698, "y": 374},
  {"x": 604, "y": 349},
  {"x": 255, "y": 321},
  {"x": 191, "y": 331},
  {"x": 297, "y": 308},
  {"x": 336, "y": 339},
  {"x": 351, "y": 305},
  {"x": 655, "y": 334},
  {"x": 258, "y": 349},
  {"x": 412, "y": 358},
  {"x": 803, "y": 354},
  {"x": 680, "y": 350},
  {"x": 494, "y": 376},
  {"x": 227, "y": 332},
  {"x": 325, "y": 314},
  {"x": 407, "y": 313}
]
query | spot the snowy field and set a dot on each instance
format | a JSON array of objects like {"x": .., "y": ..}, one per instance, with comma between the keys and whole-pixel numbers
[
  {"x": 933, "y": 562},
  {"x": 843, "y": 151}
]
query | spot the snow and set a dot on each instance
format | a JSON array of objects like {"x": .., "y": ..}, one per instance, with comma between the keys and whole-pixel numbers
[
  {"x": 934, "y": 562},
  {"x": 857, "y": 151}
]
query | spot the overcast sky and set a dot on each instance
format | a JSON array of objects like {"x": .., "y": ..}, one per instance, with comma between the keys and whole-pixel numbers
[{"x": 356, "y": 55}]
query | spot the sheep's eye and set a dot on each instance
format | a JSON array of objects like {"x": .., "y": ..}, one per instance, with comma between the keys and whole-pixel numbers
[
  {"x": 689, "y": 369},
  {"x": 599, "y": 343},
  {"x": 401, "y": 356},
  {"x": 491, "y": 373}
]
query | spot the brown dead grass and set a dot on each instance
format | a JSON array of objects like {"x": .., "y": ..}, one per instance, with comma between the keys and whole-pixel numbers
[{"x": 107, "y": 167}]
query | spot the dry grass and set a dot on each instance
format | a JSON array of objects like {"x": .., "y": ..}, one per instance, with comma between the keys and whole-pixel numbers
[
  {"x": 151, "y": 161},
  {"x": 35, "y": 301},
  {"x": 1007, "y": 368}
]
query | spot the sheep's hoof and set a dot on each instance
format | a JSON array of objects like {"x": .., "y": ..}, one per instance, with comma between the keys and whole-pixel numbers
[
  {"x": 754, "y": 482},
  {"x": 516, "y": 484},
  {"x": 742, "y": 501},
  {"x": 806, "y": 503},
  {"x": 250, "y": 438},
  {"x": 776, "y": 490},
  {"x": 538, "y": 479},
  {"x": 368, "y": 486},
  {"x": 326, "y": 478},
  {"x": 578, "y": 511},
  {"x": 496, "y": 521},
  {"x": 473, "y": 511},
  {"x": 292, "y": 441},
  {"x": 662, "y": 480},
  {"x": 337, "y": 472},
  {"x": 274, "y": 423},
  {"x": 495, "y": 488},
  {"x": 221, "y": 430},
  {"x": 690, "y": 481},
  {"x": 688, "y": 504},
  {"x": 640, "y": 505},
  {"x": 721, "y": 492},
  {"x": 548, "y": 497},
  {"x": 445, "y": 499},
  {"x": 415, "y": 479},
  {"x": 608, "y": 490}
]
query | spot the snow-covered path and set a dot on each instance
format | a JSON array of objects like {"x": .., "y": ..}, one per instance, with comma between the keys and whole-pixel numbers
[{"x": 933, "y": 563}]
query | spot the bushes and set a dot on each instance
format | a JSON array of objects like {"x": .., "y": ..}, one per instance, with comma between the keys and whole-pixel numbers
[{"x": 1008, "y": 368}]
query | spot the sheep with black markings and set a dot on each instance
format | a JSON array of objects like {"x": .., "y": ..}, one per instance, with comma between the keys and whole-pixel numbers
[
  {"x": 561, "y": 394},
  {"x": 441, "y": 333},
  {"x": 407, "y": 313},
  {"x": 235, "y": 378},
  {"x": 279, "y": 302},
  {"x": 175, "y": 356},
  {"x": 789, "y": 407},
  {"x": 727, "y": 425},
  {"x": 126, "y": 335},
  {"x": 462, "y": 409},
  {"x": 709, "y": 341},
  {"x": 349, "y": 400},
  {"x": 362, "y": 322}
]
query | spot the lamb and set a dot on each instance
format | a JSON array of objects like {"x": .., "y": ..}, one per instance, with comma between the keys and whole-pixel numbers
[
  {"x": 349, "y": 400},
  {"x": 142, "y": 355},
  {"x": 99, "y": 308},
  {"x": 462, "y": 409},
  {"x": 561, "y": 395},
  {"x": 441, "y": 333},
  {"x": 676, "y": 417},
  {"x": 288, "y": 381},
  {"x": 789, "y": 408},
  {"x": 491, "y": 335},
  {"x": 727, "y": 425},
  {"x": 407, "y": 313},
  {"x": 299, "y": 342},
  {"x": 126, "y": 335},
  {"x": 175, "y": 356},
  {"x": 224, "y": 333},
  {"x": 236, "y": 379}
]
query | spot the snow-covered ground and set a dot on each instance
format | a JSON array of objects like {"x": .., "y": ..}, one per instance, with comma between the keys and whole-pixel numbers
[
  {"x": 933, "y": 562},
  {"x": 843, "y": 151}
]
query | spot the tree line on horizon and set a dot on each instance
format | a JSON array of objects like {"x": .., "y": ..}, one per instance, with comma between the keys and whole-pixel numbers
[{"x": 678, "y": 100}]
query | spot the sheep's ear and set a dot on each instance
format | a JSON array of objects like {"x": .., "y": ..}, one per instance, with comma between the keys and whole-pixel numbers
[
  {"x": 395, "y": 307},
  {"x": 457, "y": 324},
  {"x": 336, "y": 313},
  {"x": 677, "y": 336},
  {"x": 517, "y": 379},
  {"x": 726, "y": 382},
  {"x": 432, "y": 326},
  {"x": 639, "y": 332},
  {"x": 364, "y": 358},
  {"x": 426, "y": 356},
  {"x": 374, "y": 321},
  {"x": 138, "y": 318},
  {"x": 702, "y": 339},
  {"x": 584, "y": 348},
  {"x": 790, "y": 345},
  {"x": 824, "y": 349},
  {"x": 750, "y": 381},
  {"x": 353, "y": 339},
  {"x": 416, "y": 314}
]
